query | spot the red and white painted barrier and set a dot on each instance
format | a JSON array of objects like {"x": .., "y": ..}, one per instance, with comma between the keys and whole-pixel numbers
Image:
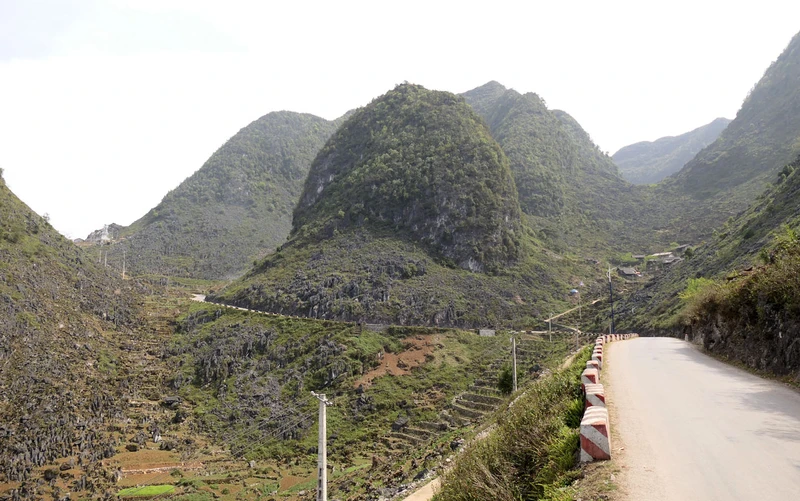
[
  {"x": 595, "y": 396},
  {"x": 595, "y": 427},
  {"x": 595, "y": 435},
  {"x": 589, "y": 376},
  {"x": 599, "y": 357}
]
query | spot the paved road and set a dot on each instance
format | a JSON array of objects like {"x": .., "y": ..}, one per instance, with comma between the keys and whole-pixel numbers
[{"x": 694, "y": 428}]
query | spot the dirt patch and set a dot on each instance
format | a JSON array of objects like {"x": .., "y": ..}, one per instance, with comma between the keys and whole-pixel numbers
[
  {"x": 426, "y": 492},
  {"x": 145, "y": 459},
  {"x": 419, "y": 348},
  {"x": 6, "y": 487},
  {"x": 146, "y": 479},
  {"x": 290, "y": 481},
  {"x": 600, "y": 482}
]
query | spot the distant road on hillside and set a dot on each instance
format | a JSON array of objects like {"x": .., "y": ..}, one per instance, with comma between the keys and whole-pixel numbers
[{"x": 693, "y": 428}]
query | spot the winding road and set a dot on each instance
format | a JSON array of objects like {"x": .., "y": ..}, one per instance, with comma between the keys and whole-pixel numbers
[{"x": 688, "y": 427}]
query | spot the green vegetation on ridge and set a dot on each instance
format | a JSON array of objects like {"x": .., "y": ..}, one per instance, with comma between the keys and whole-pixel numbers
[
  {"x": 724, "y": 178},
  {"x": 570, "y": 191},
  {"x": 422, "y": 163},
  {"x": 738, "y": 244},
  {"x": 236, "y": 208}
]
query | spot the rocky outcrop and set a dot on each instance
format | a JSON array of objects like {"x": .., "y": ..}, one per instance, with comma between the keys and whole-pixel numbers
[{"x": 763, "y": 338}]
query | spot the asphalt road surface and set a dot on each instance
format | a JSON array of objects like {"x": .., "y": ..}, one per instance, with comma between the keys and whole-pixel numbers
[{"x": 693, "y": 428}]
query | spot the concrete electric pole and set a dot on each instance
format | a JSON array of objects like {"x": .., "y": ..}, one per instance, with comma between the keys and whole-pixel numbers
[
  {"x": 611, "y": 299},
  {"x": 322, "y": 452},
  {"x": 514, "y": 358}
]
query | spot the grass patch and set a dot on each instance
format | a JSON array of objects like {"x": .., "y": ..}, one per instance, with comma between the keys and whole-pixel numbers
[
  {"x": 532, "y": 454},
  {"x": 148, "y": 490}
]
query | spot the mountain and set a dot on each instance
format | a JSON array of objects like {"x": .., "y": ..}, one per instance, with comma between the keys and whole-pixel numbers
[
  {"x": 235, "y": 209},
  {"x": 649, "y": 162},
  {"x": 64, "y": 322},
  {"x": 540, "y": 153},
  {"x": 409, "y": 215},
  {"x": 570, "y": 191},
  {"x": 421, "y": 163},
  {"x": 764, "y": 136}
]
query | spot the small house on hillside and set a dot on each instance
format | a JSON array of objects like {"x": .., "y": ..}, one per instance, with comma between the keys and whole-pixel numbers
[{"x": 628, "y": 272}]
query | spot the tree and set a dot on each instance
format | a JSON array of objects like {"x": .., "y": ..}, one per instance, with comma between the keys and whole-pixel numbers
[{"x": 505, "y": 381}]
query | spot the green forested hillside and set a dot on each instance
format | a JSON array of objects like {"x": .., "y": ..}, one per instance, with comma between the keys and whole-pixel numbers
[
  {"x": 403, "y": 208},
  {"x": 649, "y": 162},
  {"x": 235, "y": 209},
  {"x": 422, "y": 163},
  {"x": 541, "y": 155},
  {"x": 570, "y": 191},
  {"x": 763, "y": 137},
  {"x": 63, "y": 321},
  {"x": 738, "y": 294},
  {"x": 742, "y": 243}
]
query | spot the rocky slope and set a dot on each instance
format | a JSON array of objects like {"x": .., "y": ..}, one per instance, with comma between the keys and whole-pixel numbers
[
  {"x": 235, "y": 209},
  {"x": 63, "y": 322},
  {"x": 649, "y": 162}
]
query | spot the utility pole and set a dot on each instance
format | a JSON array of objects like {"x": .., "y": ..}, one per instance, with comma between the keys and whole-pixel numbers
[
  {"x": 514, "y": 358},
  {"x": 611, "y": 298},
  {"x": 580, "y": 321},
  {"x": 322, "y": 452},
  {"x": 123, "y": 265},
  {"x": 550, "y": 327}
]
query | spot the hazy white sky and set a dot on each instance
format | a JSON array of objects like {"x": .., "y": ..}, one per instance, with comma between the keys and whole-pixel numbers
[{"x": 105, "y": 106}]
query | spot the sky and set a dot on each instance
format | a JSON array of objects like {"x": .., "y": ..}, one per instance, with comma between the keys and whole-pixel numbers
[{"x": 105, "y": 106}]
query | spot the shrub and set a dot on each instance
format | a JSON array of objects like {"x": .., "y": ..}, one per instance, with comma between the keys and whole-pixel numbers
[{"x": 505, "y": 381}]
